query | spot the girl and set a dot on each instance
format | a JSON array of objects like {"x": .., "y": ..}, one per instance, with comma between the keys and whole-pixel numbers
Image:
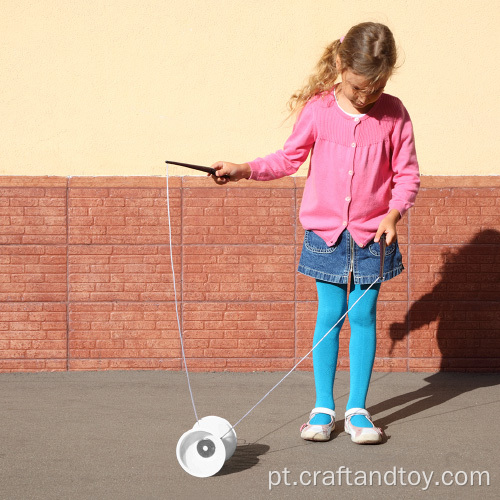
[{"x": 363, "y": 177}]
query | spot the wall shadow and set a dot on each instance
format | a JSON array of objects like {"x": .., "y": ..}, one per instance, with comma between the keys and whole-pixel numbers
[{"x": 465, "y": 304}]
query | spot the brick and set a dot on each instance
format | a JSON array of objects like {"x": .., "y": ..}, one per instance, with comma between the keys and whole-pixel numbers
[
  {"x": 223, "y": 221},
  {"x": 217, "y": 282},
  {"x": 441, "y": 193},
  {"x": 480, "y": 202},
  {"x": 424, "y": 365},
  {"x": 484, "y": 220},
  {"x": 22, "y": 220},
  {"x": 270, "y": 364},
  {"x": 120, "y": 331},
  {"x": 480, "y": 192},
  {"x": 15, "y": 365},
  {"x": 492, "y": 211},
  {"x": 262, "y": 313},
  {"x": 122, "y": 273},
  {"x": 451, "y": 220},
  {"x": 390, "y": 365},
  {"x": 133, "y": 217},
  {"x": 453, "y": 202},
  {"x": 26, "y": 328}
]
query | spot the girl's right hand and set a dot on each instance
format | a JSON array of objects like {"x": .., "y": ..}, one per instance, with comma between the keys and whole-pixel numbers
[{"x": 233, "y": 171}]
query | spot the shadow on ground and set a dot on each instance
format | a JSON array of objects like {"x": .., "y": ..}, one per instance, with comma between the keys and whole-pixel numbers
[
  {"x": 245, "y": 457},
  {"x": 441, "y": 388}
]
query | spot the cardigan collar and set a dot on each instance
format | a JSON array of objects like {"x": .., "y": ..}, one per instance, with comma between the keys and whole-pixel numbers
[{"x": 369, "y": 114}]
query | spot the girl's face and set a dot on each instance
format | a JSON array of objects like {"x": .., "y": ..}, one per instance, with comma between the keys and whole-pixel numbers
[{"x": 358, "y": 91}]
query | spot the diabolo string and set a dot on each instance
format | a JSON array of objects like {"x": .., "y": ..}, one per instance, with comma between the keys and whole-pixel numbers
[
  {"x": 176, "y": 306},
  {"x": 302, "y": 359},
  {"x": 182, "y": 343}
]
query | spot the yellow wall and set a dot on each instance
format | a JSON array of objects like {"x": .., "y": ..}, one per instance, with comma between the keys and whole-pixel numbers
[{"x": 115, "y": 87}]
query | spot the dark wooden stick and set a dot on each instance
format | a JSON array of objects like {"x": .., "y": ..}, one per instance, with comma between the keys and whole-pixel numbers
[
  {"x": 209, "y": 170},
  {"x": 382, "y": 244}
]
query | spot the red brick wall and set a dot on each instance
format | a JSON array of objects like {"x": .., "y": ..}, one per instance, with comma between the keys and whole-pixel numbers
[{"x": 86, "y": 282}]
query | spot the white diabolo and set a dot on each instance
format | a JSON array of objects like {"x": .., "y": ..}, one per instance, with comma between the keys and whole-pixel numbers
[{"x": 202, "y": 450}]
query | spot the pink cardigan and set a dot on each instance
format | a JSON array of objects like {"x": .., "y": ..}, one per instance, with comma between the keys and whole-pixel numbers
[{"x": 360, "y": 168}]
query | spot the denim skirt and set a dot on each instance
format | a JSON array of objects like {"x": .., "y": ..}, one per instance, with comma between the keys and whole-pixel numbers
[{"x": 333, "y": 264}]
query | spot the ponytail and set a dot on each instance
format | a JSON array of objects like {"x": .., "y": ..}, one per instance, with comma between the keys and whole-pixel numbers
[{"x": 322, "y": 80}]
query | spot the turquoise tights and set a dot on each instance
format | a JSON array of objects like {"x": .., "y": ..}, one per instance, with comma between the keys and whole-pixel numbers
[{"x": 332, "y": 304}]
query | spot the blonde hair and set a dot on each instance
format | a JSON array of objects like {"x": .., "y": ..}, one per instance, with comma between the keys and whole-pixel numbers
[{"x": 368, "y": 49}]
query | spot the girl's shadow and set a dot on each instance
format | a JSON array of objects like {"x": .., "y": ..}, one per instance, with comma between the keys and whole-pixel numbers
[
  {"x": 441, "y": 388},
  {"x": 465, "y": 304}
]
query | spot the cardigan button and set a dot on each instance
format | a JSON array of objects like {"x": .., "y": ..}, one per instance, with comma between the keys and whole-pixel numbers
[{"x": 353, "y": 144}]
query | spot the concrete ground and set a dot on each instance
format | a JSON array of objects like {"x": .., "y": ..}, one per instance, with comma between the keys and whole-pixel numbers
[{"x": 113, "y": 435}]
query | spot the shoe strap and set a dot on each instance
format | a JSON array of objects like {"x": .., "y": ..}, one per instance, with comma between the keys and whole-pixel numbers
[
  {"x": 320, "y": 409},
  {"x": 358, "y": 411},
  {"x": 361, "y": 411}
]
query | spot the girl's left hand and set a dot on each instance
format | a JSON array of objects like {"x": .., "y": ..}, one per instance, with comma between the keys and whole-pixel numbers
[{"x": 388, "y": 226}]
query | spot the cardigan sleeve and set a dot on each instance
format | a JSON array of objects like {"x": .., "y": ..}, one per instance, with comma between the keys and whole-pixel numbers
[
  {"x": 406, "y": 177},
  {"x": 287, "y": 161}
]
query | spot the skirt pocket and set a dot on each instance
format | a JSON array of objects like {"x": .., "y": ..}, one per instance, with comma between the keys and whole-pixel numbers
[
  {"x": 374, "y": 249},
  {"x": 316, "y": 244}
]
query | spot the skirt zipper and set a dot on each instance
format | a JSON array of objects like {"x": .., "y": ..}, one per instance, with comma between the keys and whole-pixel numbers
[{"x": 352, "y": 254}]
